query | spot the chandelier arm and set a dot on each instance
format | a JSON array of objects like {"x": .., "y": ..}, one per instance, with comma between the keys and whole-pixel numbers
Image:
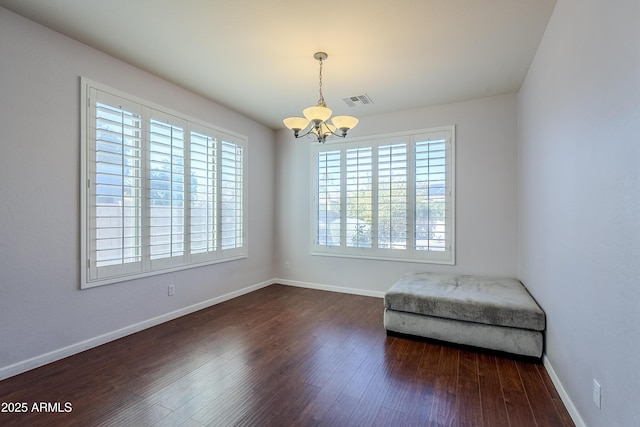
[
  {"x": 341, "y": 135},
  {"x": 301, "y": 135},
  {"x": 320, "y": 136}
]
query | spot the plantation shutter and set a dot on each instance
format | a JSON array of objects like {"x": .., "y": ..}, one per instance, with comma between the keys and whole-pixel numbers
[
  {"x": 114, "y": 187},
  {"x": 232, "y": 195},
  {"x": 203, "y": 204},
  {"x": 430, "y": 194},
  {"x": 329, "y": 199},
  {"x": 359, "y": 193},
  {"x": 392, "y": 196},
  {"x": 166, "y": 190}
]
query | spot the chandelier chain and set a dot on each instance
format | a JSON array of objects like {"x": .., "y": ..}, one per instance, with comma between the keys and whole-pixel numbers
[{"x": 321, "y": 100}]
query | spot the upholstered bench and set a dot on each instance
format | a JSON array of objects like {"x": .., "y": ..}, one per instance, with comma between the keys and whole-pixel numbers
[{"x": 493, "y": 313}]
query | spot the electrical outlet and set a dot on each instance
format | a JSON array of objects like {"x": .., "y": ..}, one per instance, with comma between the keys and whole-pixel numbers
[
  {"x": 172, "y": 290},
  {"x": 597, "y": 393}
]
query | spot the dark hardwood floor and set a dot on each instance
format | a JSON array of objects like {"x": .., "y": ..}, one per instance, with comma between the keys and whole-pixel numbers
[{"x": 283, "y": 356}]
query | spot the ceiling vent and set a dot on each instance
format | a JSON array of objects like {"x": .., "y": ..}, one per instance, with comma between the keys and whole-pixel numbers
[{"x": 354, "y": 101}]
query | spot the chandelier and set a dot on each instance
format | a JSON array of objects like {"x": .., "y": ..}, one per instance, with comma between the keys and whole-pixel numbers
[{"x": 318, "y": 116}]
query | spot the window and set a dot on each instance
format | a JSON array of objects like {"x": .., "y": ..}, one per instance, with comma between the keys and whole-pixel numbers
[
  {"x": 386, "y": 197},
  {"x": 160, "y": 191}
]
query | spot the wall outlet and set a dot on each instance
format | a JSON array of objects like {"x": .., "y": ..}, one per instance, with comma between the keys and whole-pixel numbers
[
  {"x": 597, "y": 393},
  {"x": 171, "y": 290}
]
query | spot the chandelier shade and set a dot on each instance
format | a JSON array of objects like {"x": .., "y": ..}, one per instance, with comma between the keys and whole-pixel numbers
[
  {"x": 344, "y": 123},
  {"x": 319, "y": 113},
  {"x": 318, "y": 116},
  {"x": 296, "y": 123}
]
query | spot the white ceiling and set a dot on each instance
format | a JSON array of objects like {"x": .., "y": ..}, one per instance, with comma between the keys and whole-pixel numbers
[{"x": 256, "y": 56}]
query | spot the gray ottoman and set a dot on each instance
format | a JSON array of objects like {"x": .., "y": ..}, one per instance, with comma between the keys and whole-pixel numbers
[{"x": 493, "y": 313}]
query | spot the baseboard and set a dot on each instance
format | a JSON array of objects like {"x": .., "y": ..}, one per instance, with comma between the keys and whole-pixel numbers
[
  {"x": 35, "y": 362},
  {"x": 344, "y": 290},
  {"x": 568, "y": 403}
]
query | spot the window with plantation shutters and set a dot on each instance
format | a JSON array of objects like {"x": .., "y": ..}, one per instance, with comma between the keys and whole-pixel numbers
[
  {"x": 160, "y": 191},
  {"x": 386, "y": 197}
]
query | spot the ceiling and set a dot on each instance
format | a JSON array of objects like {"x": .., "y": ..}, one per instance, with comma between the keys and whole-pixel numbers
[{"x": 256, "y": 56}]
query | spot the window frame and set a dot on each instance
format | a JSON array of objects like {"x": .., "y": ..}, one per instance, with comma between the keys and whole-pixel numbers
[
  {"x": 146, "y": 265},
  {"x": 410, "y": 253}
]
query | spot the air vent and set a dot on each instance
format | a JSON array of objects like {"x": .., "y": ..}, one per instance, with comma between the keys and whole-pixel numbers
[{"x": 357, "y": 100}]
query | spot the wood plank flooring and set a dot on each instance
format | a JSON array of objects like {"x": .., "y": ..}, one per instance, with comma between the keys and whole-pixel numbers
[{"x": 283, "y": 356}]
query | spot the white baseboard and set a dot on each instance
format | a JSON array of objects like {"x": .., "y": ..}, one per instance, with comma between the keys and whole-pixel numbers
[
  {"x": 568, "y": 403},
  {"x": 35, "y": 362},
  {"x": 344, "y": 290}
]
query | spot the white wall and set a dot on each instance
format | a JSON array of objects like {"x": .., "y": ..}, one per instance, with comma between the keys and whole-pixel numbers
[
  {"x": 486, "y": 229},
  {"x": 42, "y": 309},
  {"x": 579, "y": 201}
]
